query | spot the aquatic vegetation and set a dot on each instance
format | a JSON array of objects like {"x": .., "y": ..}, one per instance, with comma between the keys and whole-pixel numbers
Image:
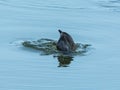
[{"x": 48, "y": 47}]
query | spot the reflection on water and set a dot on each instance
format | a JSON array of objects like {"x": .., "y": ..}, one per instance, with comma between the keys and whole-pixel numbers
[
  {"x": 64, "y": 61},
  {"x": 48, "y": 47}
]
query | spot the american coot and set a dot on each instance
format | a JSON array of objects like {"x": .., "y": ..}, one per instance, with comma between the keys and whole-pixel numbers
[{"x": 65, "y": 42}]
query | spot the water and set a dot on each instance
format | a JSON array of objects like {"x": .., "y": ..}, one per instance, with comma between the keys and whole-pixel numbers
[{"x": 95, "y": 22}]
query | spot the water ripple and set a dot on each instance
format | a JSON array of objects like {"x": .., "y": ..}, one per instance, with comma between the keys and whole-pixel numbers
[
  {"x": 36, "y": 5},
  {"x": 110, "y": 4},
  {"x": 58, "y": 5}
]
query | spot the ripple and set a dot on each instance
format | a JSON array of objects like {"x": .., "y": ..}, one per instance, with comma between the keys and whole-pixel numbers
[
  {"x": 19, "y": 4},
  {"x": 110, "y": 4},
  {"x": 48, "y": 47},
  {"x": 36, "y": 5}
]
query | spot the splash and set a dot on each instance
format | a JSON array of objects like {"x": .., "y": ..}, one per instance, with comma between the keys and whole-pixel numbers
[{"x": 48, "y": 47}]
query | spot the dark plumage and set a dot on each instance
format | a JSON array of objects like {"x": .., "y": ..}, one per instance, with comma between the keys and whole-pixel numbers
[{"x": 65, "y": 42}]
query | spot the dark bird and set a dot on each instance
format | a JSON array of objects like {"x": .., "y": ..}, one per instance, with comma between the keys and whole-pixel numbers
[{"x": 65, "y": 42}]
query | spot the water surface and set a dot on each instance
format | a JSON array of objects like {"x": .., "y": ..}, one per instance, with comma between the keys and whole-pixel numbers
[{"x": 95, "y": 22}]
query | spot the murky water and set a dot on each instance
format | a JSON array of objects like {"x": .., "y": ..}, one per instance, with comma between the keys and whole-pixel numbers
[{"x": 94, "y": 22}]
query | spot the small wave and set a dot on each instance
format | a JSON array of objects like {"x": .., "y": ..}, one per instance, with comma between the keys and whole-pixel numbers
[
  {"x": 36, "y": 5},
  {"x": 17, "y": 43},
  {"x": 65, "y": 8},
  {"x": 48, "y": 47},
  {"x": 110, "y": 4}
]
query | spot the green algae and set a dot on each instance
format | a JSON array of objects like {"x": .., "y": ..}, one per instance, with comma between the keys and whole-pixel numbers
[{"x": 48, "y": 47}]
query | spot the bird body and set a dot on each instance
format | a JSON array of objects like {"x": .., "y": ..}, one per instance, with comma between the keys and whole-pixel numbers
[{"x": 65, "y": 42}]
